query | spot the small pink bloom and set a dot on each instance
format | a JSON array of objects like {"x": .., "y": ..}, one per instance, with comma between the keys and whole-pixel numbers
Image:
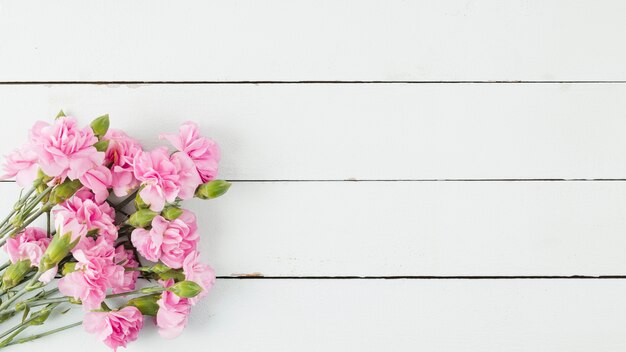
[
  {"x": 48, "y": 275},
  {"x": 167, "y": 241},
  {"x": 159, "y": 176},
  {"x": 173, "y": 313},
  {"x": 189, "y": 178},
  {"x": 204, "y": 152},
  {"x": 81, "y": 214},
  {"x": 199, "y": 273},
  {"x": 21, "y": 164},
  {"x": 115, "y": 328},
  {"x": 126, "y": 258},
  {"x": 98, "y": 180},
  {"x": 29, "y": 244},
  {"x": 120, "y": 154},
  {"x": 64, "y": 149},
  {"x": 95, "y": 272}
]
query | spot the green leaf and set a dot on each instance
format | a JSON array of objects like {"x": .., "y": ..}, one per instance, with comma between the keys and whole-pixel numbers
[
  {"x": 100, "y": 126},
  {"x": 102, "y": 146}
]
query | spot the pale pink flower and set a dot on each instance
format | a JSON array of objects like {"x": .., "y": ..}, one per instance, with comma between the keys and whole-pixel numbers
[
  {"x": 98, "y": 180},
  {"x": 173, "y": 313},
  {"x": 29, "y": 244},
  {"x": 65, "y": 149},
  {"x": 120, "y": 154},
  {"x": 81, "y": 214},
  {"x": 126, "y": 258},
  {"x": 199, "y": 273},
  {"x": 167, "y": 241},
  {"x": 204, "y": 152},
  {"x": 159, "y": 178},
  {"x": 189, "y": 178},
  {"x": 21, "y": 164},
  {"x": 95, "y": 272},
  {"x": 115, "y": 328}
]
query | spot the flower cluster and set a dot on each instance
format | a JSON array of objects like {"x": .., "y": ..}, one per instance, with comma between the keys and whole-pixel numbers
[{"x": 114, "y": 217}]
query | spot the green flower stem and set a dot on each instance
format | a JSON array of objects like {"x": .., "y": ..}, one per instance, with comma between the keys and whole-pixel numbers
[
  {"x": 5, "y": 265},
  {"x": 43, "y": 334},
  {"x": 8, "y": 340},
  {"x": 5, "y": 305},
  {"x": 26, "y": 322},
  {"x": 145, "y": 290},
  {"x": 26, "y": 223},
  {"x": 16, "y": 208},
  {"x": 27, "y": 211}
]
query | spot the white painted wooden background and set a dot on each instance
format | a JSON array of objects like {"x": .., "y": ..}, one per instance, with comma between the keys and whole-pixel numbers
[{"x": 408, "y": 175}]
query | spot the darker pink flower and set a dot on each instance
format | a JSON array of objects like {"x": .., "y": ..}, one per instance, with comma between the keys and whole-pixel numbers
[
  {"x": 115, "y": 328},
  {"x": 81, "y": 214},
  {"x": 167, "y": 241},
  {"x": 95, "y": 272},
  {"x": 159, "y": 178},
  {"x": 21, "y": 164},
  {"x": 126, "y": 258},
  {"x": 120, "y": 154},
  {"x": 199, "y": 273},
  {"x": 65, "y": 149},
  {"x": 29, "y": 244},
  {"x": 204, "y": 152},
  {"x": 173, "y": 313}
]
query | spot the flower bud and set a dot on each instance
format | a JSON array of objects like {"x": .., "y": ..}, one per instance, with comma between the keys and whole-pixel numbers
[
  {"x": 60, "y": 114},
  {"x": 100, "y": 126},
  {"x": 212, "y": 189},
  {"x": 171, "y": 213},
  {"x": 185, "y": 289},
  {"x": 64, "y": 191},
  {"x": 68, "y": 268},
  {"x": 147, "y": 305},
  {"x": 139, "y": 203},
  {"x": 142, "y": 218},
  {"x": 101, "y": 146},
  {"x": 15, "y": 273},
  {"x": 58, "y": 248},
  {"x": 41, "y": 316},
  {"x": 160, "y": 268}
]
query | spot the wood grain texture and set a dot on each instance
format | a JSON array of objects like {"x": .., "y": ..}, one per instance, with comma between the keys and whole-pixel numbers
[
  {"x": 347, "y": 131},
  {"x": 244, "y": 40},
  {"x": 412, "y": 228},
  {"x": 391, "y": 315}
]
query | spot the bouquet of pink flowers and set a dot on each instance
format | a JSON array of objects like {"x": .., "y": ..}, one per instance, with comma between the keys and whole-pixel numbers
[{"x": 119, "y": 256}]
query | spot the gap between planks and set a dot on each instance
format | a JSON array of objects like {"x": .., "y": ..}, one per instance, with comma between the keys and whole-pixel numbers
[
  {"x": 314, "y": 82},
  {"x": 258, "y": 276}
]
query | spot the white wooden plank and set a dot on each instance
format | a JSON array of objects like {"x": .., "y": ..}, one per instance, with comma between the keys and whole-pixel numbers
[
  {"x": 389, "y": 131},
  {"x": 312, "y": 40},
  {"x": 392, "y": 315},
  {"x": 413, "y": 228}
]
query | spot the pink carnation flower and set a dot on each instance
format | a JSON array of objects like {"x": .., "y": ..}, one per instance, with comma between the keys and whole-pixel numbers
[
  {"x": 81, "y": 214},
  {"x": 199, "y": 273},
  {"x": 29, "y": 244},
  {"x": 159, "y": 177},
  {"x": 120, "y": 154},
  {"x": 189, "y": 178},
  {"x": 173, "y": 313},
  {"x": 98, "y": 180},
  {"x": 168, "y": 241},
  {"x": 126, "y": 258},
  {"x": 115, "y": 328},
  {"x": 64, "y": 149},
  {"x": 95, "y": 272},
  {"x": 21, "y": 164},
  {"x": 204, "y": 152}
]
